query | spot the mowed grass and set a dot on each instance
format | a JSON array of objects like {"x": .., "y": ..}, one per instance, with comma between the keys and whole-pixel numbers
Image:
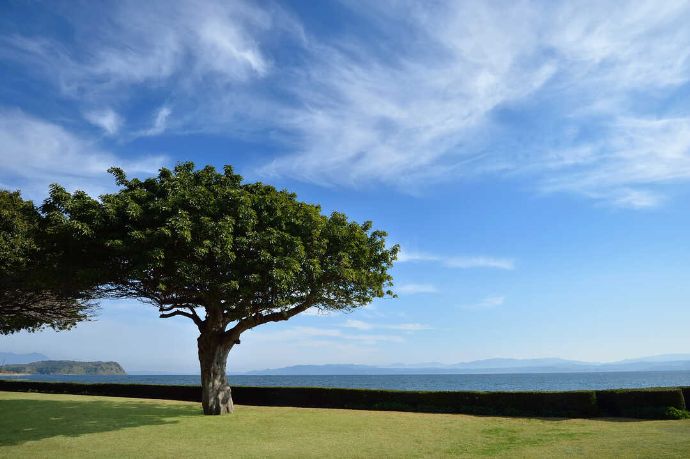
[{"x": 46, "y": 425}]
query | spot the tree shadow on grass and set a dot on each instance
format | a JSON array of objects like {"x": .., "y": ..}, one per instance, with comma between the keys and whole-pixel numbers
[{"x": 28, "y": 419}]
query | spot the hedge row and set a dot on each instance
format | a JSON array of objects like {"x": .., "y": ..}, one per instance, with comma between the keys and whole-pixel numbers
[
  {"x": 499, "y": 403},
  {"x": 643, "y": 403},
  {"x": 165, "y": 392},
  {"x": 640, "y": 403}
]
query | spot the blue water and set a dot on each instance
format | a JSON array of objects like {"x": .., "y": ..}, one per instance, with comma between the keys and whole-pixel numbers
[{"x": 485, "y": 382}]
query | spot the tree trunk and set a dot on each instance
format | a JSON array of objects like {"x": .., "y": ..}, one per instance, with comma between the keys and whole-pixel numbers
[{"x": 215, "y": 391}]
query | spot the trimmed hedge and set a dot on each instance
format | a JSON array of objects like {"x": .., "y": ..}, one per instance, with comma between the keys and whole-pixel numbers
[
  {"x": 566, "y": 404},
  {"x": 642, "y": 403},
  {"x": 183, "y": 393},
  {"x": 650, "y": 403}
]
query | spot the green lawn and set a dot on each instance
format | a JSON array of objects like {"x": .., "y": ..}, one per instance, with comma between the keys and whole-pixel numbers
[{"x": 44, "y": 425}]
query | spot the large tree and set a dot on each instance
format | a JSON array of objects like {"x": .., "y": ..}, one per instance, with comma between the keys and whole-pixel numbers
[
  {"x": 227, "y": 255},
  {"x": 32, "y": 295}
]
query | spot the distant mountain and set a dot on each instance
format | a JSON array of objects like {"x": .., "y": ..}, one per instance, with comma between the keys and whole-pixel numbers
[
  {"x": 9, "y": 358},
  {"x": 673, "y": 362},
  {"x": 331, "y": 369},
  {"x": 65, "y": 367},
  {"x": 517, "y": 363},
  {"x": 659, "y": 358},
  {"x": 417, "y": 365}
]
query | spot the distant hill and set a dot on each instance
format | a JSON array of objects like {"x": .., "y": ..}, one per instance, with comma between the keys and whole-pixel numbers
[
  {"x": 66, "y": 367},
  {"x": 659, "y": 358},
  {"x": 672, "y": 362},
  {"x": 9, "y": 358},
  {"x": 331, "y": 369}
]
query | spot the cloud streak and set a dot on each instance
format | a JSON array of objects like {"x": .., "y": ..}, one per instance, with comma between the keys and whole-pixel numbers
[
  {"x": 490, "y": 302},
  {"x": 36, "y": 153},
  {"x": 626, "y": 167},
  {"x": 184, "y": 54},
  {"x": 413, "y": 289},
  {"x": 107, "y": 119},
  {"x": 160, "y": 122},
  {"x": 362, "y": 325},
  {"x": 460, "y": 262},
  {"x": 557, "y": 94},
  {"x": 429, "y": 112},
  {"x": 328, "y": 334},
  {"x": 149, "y": 43}
]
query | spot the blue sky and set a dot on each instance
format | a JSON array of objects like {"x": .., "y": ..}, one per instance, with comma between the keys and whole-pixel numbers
[{"x": 531, "y": 158}]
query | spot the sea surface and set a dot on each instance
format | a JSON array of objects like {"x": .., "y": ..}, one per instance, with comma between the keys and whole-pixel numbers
[{"x": 455, "y": 382}]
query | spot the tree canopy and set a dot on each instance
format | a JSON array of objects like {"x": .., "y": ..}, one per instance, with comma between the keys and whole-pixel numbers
[
  {"x": 190, "y": 239},
  {"x": 31, "y": 294},
  {"x": 201, "y": 244}
]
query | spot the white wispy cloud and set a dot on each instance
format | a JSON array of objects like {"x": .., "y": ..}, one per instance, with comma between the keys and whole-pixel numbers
[
  {"x": 160, "y": 122},
  {"x": 625, "y": 167},
  {"x": 362, "y": 325},
  {"x": 358, "y": 324},
  {"x": 490, "y": 302},
  {"x": 461, "y": 262},
  {"x": 409, "y": 255},
  {"x": 362, "y": 108},
  {"x": 409, "y": 327},
  {"x": 411, "y": 117},
  {"x": 192, "y": 52},
  {"x": 302, "y": 333},
  {"x": 133, "y": 42},
  {"x": 35, "y": 153},
  {"x": 479, "y": 262},
  {"x": 425, "y": 113},
  {"x": 412, "y": 289},
  {"x": 106, "y": 119}
]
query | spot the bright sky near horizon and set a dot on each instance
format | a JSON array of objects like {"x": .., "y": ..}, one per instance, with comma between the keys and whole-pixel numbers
[{"x": 531, "y": 158}]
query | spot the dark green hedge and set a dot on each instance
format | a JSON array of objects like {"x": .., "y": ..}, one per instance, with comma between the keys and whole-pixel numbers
[
  {"x": 184, "y": 393},
  {"x": 580, "y": 404},
  {"x": 642, "y": 403},
  {"x": 566, "y": 404}
]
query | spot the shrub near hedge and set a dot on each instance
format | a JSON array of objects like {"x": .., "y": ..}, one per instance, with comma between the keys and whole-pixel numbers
[
  {"x": 686, "y": 396},
  {"x": 640, "y": 403}
]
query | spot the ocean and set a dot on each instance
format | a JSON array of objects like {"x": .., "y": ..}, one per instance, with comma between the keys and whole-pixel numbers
[{"x": 436, "y": 382}]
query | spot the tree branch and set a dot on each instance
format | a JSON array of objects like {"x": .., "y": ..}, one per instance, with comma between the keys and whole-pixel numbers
[
  {"x": 195, "y": 317},
  {"x": 233, "y": 335},
  {"x": 283, "y": 315},
  {"x": 199, "y": 323}
]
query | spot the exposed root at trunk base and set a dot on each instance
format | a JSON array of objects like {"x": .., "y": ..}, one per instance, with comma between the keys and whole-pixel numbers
[{"x": 219, "y": 401}]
